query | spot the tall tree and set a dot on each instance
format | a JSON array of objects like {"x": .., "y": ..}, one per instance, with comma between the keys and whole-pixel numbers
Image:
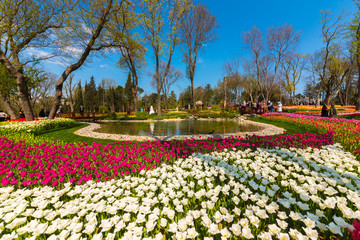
[
  {"x": 89, "y": 95},
  {"x": 355, "y": 35},
  {"x": 208, "y": 95},
  {"x": 172, "y": 103},
  {"x": 161, "y": 23},
  {"x": 330, "y": 65},
  {"x": 266, "y": 60},
  {"x": 170, "y": 77},
  {"x": 185, "y": 97},
  {"x": 197, "y": 30},
  {"x": 70, "y": 90},
  {"x": 132, "y": 51},
  {"x": 89, "y": 30},
  {"x": 253, "y": 40},
  {"x": 234, "y": 78},
  {"x": 7, "y": 88},
  {"x": 79, "y": 97},
  {"x": 281, "y": 41},
  {"x": 27, "y": 25},
  {"x": 293, "y": 70}
]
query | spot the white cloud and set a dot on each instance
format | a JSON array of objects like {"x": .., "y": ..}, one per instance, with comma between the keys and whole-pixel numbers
[
  {"x": 38, "y": 53},
  {"x": 104, "y": 66},
  {"x": 75, "y": 51},
  {"x": 44, "y": 56}
]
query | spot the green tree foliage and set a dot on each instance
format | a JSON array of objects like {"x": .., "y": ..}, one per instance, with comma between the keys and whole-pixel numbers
[
  {"x": 172, "y": 102},
  {"x": 24, "y": 25},
  {"x": 208, "y": 95},
  {"x": 90, "y": 92},
  {"x": 185, "y": 97},
  {"x": 79, "y": 97},
  {"x": 161, "y": 24}
]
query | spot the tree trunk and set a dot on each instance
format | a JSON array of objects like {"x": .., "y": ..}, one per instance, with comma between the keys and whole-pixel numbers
[
  {"x": 224, "y": 93},
  {"x": 57, "y": 98},
  {"x": 165, "y": 101},
  {"x": 317, "y": 102},
  {"x": 358, "y": 84},
  {"x": 327, "y": 99},
  {"x": 192, "y": 91},
  {"x": 135, "y": 104},
  {"x": 71, "y": 107},
  {"x": 358, "y": 95},
  {"x": 80, "y": 62},
  {"x": 7, "y": 106},
  {"x": 342, "y": 98},
  {"x": 134, "y": 91},
  {"x": 159, "y": 101},
  {"x": 329, "y": 96},
  {"x": 358, "y": 65},
  {"x": 24, "y": 97}
]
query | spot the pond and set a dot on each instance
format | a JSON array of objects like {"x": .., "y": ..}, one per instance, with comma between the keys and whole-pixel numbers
[{"x": 175, "y": 128}]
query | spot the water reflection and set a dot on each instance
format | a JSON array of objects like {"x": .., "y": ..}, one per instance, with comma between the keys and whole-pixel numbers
[{"x": 173, "y": 128}]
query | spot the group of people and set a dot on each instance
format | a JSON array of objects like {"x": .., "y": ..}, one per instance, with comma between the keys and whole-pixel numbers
[
  {"x": 325, "y": 112},
  {"x": 260, "y": 106}
]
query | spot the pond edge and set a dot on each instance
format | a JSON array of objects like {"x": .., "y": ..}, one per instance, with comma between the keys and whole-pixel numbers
[{"x": 89, "y": 131}]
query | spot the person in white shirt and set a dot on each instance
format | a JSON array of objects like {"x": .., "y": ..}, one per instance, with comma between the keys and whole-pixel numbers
[{"x": 3, "y": 116}]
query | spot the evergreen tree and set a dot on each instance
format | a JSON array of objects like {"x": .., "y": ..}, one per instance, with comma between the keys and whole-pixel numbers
[
  {"x": 172, "y": 100},
  {"x": 79, "y": 98},
  {"x": 90, "y": 95},
  {"x": 185, "y": 97},
  {"x": 208, "y": 95}
]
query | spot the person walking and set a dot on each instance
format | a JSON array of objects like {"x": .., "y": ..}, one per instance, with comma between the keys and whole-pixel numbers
[
  {"x": 21, "y": 112},
  {"x": 333, "y": 111},
  {"x": 81, "y": 110},
  {"x": 42, "y": 113},
  {"x": 279, "y": 109},
  {"x": 59, "y": 111},
  {"x": 324, "y": 111},
  {"x": 271, "y": 107}
]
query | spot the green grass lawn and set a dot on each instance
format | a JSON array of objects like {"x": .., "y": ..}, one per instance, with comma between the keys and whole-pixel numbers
[
  {"x": 67, "y": 135},
  {"x": 290, "y": 127}
]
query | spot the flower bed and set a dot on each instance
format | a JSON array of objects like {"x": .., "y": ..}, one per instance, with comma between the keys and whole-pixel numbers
[
  {"x": 265, "y": 194},
  {"x": 56, "y": 164},
  {"x": 29, "y": 131},
  {"x": 35, "y": 127},
  {"x": 346, "y": 131},
  {"x": 311, "y": 109}
]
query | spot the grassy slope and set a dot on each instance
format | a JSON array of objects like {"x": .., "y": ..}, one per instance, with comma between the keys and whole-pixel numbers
[
  {"x": 67, "y": 135},
  {"x": 290, "y": 127}
]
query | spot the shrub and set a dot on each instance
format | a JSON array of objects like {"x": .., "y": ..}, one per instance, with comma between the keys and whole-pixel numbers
[
  {"x": 215, "y": 108},
  {"x": 103, "y": 109},
  {"x": 142, "y": 115},
  {"x": 193, "y": 111},
  {"x": 113, "y": 116}
]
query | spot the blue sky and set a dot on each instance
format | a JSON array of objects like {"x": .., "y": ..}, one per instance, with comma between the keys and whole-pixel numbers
[{"x": 234, "y": 17}]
